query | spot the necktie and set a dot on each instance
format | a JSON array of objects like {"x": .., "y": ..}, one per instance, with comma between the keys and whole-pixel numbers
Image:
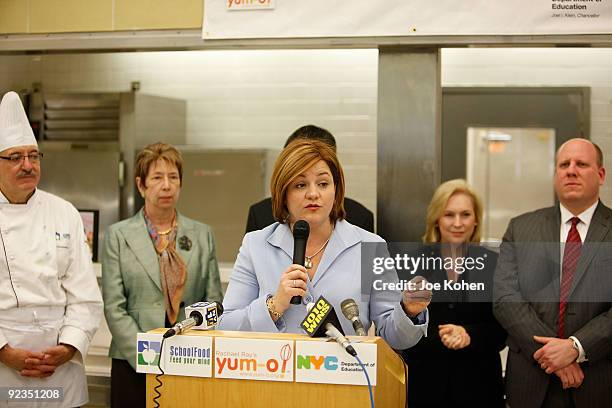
[{"x": 571, "y": 254}]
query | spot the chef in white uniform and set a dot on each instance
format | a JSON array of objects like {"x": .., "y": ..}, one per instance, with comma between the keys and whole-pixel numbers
[{"x": 50, "y": 304}]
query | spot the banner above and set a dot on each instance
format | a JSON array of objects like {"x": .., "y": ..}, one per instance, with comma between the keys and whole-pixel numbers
[{"x": 376, "y": 18}]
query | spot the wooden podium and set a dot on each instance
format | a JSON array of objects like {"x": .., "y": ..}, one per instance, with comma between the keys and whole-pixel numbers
[{"x": 182, "y": 391}]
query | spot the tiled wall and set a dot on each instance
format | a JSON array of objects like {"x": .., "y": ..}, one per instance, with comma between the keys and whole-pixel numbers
[
  {"x": 241, "y": 99},
  {"x": 256, "y": 98},
  {"x": 590, "y": 67}
]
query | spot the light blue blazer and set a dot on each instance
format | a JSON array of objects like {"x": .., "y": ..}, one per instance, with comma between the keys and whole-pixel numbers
[{"x": 264, "y": 256}]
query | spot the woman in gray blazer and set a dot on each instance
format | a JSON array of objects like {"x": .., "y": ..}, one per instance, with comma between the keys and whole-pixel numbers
[{"x": 153, "y": 265}]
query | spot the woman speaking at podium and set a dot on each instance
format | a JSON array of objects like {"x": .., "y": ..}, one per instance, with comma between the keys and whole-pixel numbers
[{"x": 308, "y": 184}]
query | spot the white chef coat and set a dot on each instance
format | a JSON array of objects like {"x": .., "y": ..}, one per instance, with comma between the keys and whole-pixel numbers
[{"x": 48, "y": 289}]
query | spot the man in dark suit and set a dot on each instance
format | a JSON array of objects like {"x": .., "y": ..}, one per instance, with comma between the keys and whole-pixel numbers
[
  {"x": 553, "y": 294},
  {"x": 260, "y": 214}
]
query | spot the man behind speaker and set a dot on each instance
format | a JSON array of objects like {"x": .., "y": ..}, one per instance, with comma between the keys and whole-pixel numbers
[
  {"x": 260, "y": 213},
  {"x": 554, "y": 300}
]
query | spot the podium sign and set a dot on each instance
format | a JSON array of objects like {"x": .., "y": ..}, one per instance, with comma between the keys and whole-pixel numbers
[
  {"x": 183, "y": 355},
  {"x": 326, "y": 363},
  {"x": 268, "y": 370},
  {"x": 254, "y": 359},
  {"x": 269, "y": 359}
]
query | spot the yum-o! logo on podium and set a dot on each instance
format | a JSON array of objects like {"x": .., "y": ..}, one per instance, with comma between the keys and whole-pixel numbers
[{"x": 254, "y": 359}]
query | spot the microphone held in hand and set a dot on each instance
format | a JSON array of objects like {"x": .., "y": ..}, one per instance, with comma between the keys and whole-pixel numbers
[
  {"x": 202, "y": 316},
  {"x": 350, "y": 310},
  {"x": 301, "y": 230}
]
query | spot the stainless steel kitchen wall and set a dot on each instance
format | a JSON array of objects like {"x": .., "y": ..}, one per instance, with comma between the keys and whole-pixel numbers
[{"x": 409, "y": 103}]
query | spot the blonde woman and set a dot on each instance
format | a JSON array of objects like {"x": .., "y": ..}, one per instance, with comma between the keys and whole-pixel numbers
[{"x": 458, "y": 363}]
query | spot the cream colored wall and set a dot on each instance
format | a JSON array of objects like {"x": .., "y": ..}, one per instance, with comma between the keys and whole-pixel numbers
[
  {"x": 64, "y": 16},
  {"x": 256, "y": 98},
  {"x": 237, "y": 99},
  {"x": 590, "y": 67}
]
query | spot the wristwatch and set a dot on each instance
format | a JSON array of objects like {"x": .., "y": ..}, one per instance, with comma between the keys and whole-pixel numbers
[{"x": 576, "y": 345}]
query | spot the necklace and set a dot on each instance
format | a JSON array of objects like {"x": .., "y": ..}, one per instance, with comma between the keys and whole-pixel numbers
[
  {"x": 164, "y": 232},
  {"x": 308, "y": 259}
]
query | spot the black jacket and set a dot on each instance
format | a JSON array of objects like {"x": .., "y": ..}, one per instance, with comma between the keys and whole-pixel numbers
[{"x": 471, "y": 376}]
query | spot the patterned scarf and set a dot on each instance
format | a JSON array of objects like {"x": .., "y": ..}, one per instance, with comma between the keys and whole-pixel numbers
[{"x": 171, "y": 266}]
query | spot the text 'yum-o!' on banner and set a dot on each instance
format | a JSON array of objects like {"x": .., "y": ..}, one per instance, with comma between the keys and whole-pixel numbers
[
  {"x": 254, "y": 359},
  {"x": 309, "y": 361},
  {"x": 231, "y": 19}
]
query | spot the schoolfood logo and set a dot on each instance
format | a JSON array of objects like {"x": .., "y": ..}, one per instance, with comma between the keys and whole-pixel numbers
[
  {"x": 190, "y": 355},
  {"x": 148, "y": 352},
  {"x": 247, "y": 362}
]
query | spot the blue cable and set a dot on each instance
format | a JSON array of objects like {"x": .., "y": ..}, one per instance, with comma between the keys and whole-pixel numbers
[{"x": 368, "y": 380}]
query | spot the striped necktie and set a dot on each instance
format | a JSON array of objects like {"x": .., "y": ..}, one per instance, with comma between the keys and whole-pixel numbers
[{"x": 571, "y": 254}]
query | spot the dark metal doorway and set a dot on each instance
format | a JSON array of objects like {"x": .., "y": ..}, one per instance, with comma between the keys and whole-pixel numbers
[{"x": 502, "y": 140}]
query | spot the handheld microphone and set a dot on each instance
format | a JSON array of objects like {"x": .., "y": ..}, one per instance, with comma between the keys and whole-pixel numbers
[
  {"x": 350, "y": 310},
  {"x": 322, "y": 320},
  {"x": 301, "y": 230},
  {"x": 202, "y": 316}
]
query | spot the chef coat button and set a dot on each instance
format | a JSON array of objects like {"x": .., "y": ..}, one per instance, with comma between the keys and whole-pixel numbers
[
  {"x": 308, "y": 299},
  {"x": 11, "y": 257}
]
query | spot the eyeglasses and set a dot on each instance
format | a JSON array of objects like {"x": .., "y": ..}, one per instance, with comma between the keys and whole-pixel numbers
[{"x": 17, "y": 159}]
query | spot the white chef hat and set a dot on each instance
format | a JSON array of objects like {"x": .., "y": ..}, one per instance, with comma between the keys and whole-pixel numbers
[{"x": 15, "y": 129}]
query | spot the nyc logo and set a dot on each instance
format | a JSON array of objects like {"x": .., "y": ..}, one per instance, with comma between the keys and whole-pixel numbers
[
  {"x": 148, "y": 352},
  {"x": 329, "y": 363}
]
